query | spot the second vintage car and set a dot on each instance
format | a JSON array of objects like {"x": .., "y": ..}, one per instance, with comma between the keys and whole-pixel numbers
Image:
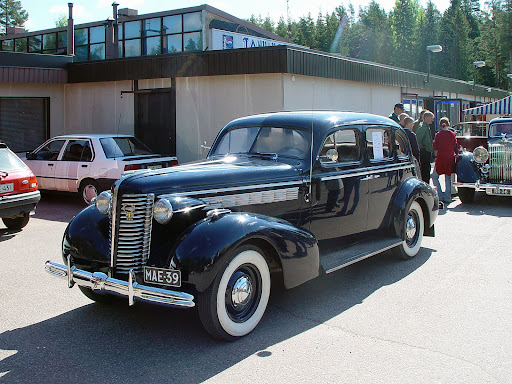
[
  {"x": 90, "y": 163},
  {"x": 291, "y": 194}
]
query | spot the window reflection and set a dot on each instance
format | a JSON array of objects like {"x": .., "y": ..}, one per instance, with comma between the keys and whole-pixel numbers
[
  {"x": 151, "y": 27},
  {"x": 152, "y": 46},
  {"x": 132, "y": 48},
  {"x": 34, "y": 43},
  {"x": 81, "y": 36},
  {"x": 62, "y": 39},
  {"x": 192, "y": 22},
  {"x": 8, "y": 45},
  {"x": 50, "y": 41},
  {"x": 172, "y": 24},
  {"x": 20, "y": 45},
  {"x": 132, "y": 29},
  {"x": 97, "y": 35},
  {"x": 172, "y": 44},
  {"x": 81, "y": 53},
  {"x": 193, "y": 41},
  {"x": 97, "y": 52}
]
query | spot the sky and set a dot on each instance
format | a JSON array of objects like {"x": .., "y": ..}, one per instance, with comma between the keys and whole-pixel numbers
[{"x": 44, "y": 13}]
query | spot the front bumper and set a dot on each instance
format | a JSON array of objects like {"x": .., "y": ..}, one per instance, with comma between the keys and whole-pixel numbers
[
  {"x": 489, "y": 188},
  {"x": 14, "y": 205},
  {"x": 100, "y": 283}
]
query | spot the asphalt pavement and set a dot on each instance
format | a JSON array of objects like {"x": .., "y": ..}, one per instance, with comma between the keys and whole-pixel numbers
[{"x": 442, "y": 317}]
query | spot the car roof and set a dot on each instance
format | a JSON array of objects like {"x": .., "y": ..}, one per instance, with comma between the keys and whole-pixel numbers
[{"x": 90, "y": 135}]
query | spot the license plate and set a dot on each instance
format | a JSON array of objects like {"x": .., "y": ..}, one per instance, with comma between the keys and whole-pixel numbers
[
  {"x": 9, "y": 187},
  {"x": 162, "y": 276},
  {"x": 499, "y": 192},
  {"x": 155, "y": 166}
]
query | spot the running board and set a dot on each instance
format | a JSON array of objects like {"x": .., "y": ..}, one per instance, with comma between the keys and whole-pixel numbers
[{"x": 341, "y": 258}]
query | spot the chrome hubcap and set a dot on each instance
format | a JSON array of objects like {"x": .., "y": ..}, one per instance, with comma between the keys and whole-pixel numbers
[
  {"x": 89, "y": 193},
  {"x": 241, "y": 292},
  {"x": 411, "y": 227}
]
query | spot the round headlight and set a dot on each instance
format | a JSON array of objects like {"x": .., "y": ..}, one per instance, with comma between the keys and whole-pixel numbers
[
  {"x": 162, "y": 211},
  {"x": 480, "y": 155},
  {"x": 103, "y": 202}
]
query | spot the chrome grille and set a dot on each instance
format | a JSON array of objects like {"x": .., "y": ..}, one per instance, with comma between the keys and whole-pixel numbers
[
  {"x": 133, "y": 232},
  {"x": 500, "y": 160}
]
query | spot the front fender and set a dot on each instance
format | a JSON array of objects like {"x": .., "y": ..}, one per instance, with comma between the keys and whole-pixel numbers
[
  {"x": 466, "y": 170},
  {"x": 206, "y": 247},
  {"x": 414, "y": 189}
]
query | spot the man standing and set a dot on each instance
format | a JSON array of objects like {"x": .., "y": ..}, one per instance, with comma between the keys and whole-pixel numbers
[
  {"x": 397, "y": 111},
  {"x": 425, "y": 144}
]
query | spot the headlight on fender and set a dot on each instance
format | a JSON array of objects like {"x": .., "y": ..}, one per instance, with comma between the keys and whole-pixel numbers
[
  {"x": 480, "y": 155},
  {"x": 103, "y": 201},
  {"x": 162, "y": 211}
]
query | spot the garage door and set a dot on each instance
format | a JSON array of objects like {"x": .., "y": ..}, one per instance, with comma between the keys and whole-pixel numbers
[{"x": 23, "y": 122}]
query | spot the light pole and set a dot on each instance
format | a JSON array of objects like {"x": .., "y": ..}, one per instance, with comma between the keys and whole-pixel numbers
[
  {"x": 430, "y": 49},
  {"x": 476, "y": 64},
  {"x": 510, "y": 77}
]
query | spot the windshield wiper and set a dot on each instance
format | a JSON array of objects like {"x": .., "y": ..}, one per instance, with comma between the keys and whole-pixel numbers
[{"x": 265, "y": 155}]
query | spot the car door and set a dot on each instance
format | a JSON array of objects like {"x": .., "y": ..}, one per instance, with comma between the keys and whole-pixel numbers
[
  {"x": 340, "y": 188},
  {"x": 382, "y": 174},
  {"x": 73, "y": 165},
  {"x": 43, "y": 163}
]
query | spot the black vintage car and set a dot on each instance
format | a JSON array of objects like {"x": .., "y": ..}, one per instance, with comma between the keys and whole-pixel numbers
[
  {"x": 487, "y": 168},
  {"x": 291, "y": 194}
]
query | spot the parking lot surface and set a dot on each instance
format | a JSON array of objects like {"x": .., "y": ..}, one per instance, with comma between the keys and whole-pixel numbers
[{"x": 442, "y": 317}]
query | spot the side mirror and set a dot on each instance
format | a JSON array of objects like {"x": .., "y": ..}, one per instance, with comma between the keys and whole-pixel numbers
[
  {"x": 30, "y": 156},
  {"x": 204, "y": 147}
]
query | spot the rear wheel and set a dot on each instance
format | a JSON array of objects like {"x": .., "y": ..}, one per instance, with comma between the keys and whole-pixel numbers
[
  {"x": 466, "y": 195},
  {"x": 17, "y": 222},
  {"x": 235, "y": 302},
  {"x": 414, "y": 228},
  {"x": 88, "y": 190}
]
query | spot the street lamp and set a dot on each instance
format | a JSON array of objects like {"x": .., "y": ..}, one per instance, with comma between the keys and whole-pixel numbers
[
  {"x": 476, "y": 64},
  {"x": 430, "y": 49}
]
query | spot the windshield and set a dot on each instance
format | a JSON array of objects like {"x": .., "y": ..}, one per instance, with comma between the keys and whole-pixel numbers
[
  {"x": 123, "y": 146},
  {"x": 502, "y": 128},
  {"x": 9, "y": 161},
  {"x": 286, "y": 142},
  {"x": 470, "y": 130}
]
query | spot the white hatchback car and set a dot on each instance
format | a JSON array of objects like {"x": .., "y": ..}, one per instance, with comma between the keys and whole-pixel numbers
[{"x": 90, "y": 163}]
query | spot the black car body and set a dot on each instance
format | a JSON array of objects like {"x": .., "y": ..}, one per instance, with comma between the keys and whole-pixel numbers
[
  {"x": 295, "y": 194},
  {"x": 488, "y": 169}
]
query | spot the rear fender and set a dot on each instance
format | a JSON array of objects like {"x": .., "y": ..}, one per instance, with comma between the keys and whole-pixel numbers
[
  {"x": 412, "y": 190},
  {"x": 206, "y": 247}
]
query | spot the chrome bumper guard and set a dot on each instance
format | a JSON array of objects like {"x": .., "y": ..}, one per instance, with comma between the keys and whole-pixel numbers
[
  {"x": 102, "y": 284},
  {"x": 480, "y": 187}
]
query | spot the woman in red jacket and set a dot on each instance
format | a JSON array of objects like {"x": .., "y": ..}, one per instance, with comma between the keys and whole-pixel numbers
[{"x": 445, "y": 143}]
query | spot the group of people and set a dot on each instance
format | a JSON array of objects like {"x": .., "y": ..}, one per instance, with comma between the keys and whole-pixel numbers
[{"x": 443, "y": 147}]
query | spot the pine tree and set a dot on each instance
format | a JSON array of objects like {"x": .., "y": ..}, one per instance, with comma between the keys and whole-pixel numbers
[
  {"x": 427, "y": 33},
  {"x": 403, "y": 26},
  {"x": 12, "y": 14}
]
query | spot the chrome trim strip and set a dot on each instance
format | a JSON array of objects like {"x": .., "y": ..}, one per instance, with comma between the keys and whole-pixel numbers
[
  {"x": 113, "y": 220},
  {"x": 479, "y": 187},
  {"x": 368, "y": 171},
  {"x": 364, "y": 257},
  {"x": 239, "y": 188},
  {"x": 35, "y": 195},
  {"x": 252, "y": 198},
  {"x": 102, "y": 284}
]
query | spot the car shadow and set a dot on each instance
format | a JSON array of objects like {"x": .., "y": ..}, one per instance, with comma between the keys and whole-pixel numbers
[
  {"x": 6, "y": 234},
  {"x": 484, "y": 204},
  {"x": 121, "y": 344},
  {"x": 58, "y": 207}
]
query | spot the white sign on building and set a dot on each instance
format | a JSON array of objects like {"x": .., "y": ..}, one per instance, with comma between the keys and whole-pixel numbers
[{"x": 231, "y": 40}]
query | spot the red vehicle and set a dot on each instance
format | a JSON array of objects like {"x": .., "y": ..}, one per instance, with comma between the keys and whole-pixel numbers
[
  {"x": 18, "y": 190},
  {"x": 472, "y": 134}
]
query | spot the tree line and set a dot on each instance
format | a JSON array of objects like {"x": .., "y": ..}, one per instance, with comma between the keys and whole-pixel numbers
[{"x": 466, "y": 31}]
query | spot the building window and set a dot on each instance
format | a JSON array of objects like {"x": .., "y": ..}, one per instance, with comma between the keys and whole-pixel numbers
[
  {"x": 152, "y": 27},
  {"x": 97, "y": 52},
  {"x": 193, "y": 41},
  {"x": 192, "y": 22},
  {"x": 172, "y": 24},
  {"x": 34, "y": 43},
  {"x": 62, "y": 39},
  {"x": 152, "y": 46},
  {"x": 97, "y": 35},
  {"x": 81, "y": 36},
  {"x": 8, "y": 45},
  {"x": 172, "y": 44},
  {"x": 82, "y": 53},
  {"x": 49, "y": 43},
  {"x": 20, "y": 45},
  {"x": 132, "y": 48},
  {"x": 132, "y": 29}
]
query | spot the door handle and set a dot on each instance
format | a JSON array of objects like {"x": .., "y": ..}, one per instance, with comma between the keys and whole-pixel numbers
[
  {"x": 375, "y": 176},
  {"x": 369, "y": 177},
  {"x": 84, "y": 165},
  {"x": 50, "y": 165}
]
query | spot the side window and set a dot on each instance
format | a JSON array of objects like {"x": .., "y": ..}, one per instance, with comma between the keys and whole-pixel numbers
[
  {"x": 378, "y": 143},
  {"x": 341, "y": 146},
  {"x": 77, "y": 150},
  {"x": 402, "y": 145},
  {"x": 50, "y": 151}
]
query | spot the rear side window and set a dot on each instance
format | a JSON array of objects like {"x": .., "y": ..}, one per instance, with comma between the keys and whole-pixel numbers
[
  {"x": 77, "y": 150},
  {"x": 378, "y": 143},
  {"x": 9, "y": 161},
  {"x": 341, "y": 146},
  {"x": 123, "y": 146},
  {"x": 402, "y": 146}
]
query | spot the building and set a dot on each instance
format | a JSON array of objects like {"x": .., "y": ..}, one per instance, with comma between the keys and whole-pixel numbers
[{"x": 175, "y": 78}]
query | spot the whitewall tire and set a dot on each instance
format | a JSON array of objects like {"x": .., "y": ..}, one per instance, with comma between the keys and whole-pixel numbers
[{"x": 414, "y": 228}]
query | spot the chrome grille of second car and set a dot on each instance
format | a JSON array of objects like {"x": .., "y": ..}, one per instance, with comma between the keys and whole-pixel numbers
[
  {"x": 500, "y": 160},
  {"x": 133, "y": 232}
]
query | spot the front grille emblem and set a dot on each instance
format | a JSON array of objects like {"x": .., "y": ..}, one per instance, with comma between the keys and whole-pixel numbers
[{"x": 128, "y": 210}]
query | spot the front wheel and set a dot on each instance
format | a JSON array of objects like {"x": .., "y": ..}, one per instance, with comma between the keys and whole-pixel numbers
[
  {"x": 17, "y": 223},
  {"x": 235, "y": 302},
  {"x": 414, "y": 227},
  {"x": 88, "y": 190},
  {"x": 466, "y": 195}
]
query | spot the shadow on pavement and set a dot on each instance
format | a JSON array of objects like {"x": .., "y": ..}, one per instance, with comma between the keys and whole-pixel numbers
[
  {"x": 484, "y": 204},
  {"x": 121, "y": 344},
  {"x": 58, "y": 207}
]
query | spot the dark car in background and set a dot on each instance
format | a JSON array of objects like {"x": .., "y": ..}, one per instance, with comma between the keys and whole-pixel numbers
[
  {"x": 18, "y": 190},
  {"x": 472, "y": 134},
  {"x": 488, "y": 168},
  {"x": 292, "y": 194}
]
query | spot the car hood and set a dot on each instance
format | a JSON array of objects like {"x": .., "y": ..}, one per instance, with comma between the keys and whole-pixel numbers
[{"x": 210, "y": 175}]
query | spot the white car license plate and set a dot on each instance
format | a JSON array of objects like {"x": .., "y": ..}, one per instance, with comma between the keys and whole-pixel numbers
[
  {"x": 499, "y": 191},
  {"x": 154, "y": 166},
  {"x": 9, "y": 187},
  {"x": 163, "y": 276}
]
